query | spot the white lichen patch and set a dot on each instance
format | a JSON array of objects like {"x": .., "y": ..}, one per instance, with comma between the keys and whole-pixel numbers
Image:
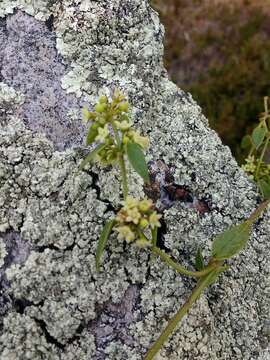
[
  {"x": 9, "y": 96},
  {"x": 37, "y": 8}
]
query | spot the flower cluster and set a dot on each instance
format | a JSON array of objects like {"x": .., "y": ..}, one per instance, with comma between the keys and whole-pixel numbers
[
  {"x": 250, "y": 167},
  {"x": 134, "y": 218},
  {"x": 111, "y": 126}
]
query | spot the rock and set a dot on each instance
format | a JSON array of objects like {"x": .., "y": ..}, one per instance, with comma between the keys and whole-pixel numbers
[{"x": 55, "y": 57}]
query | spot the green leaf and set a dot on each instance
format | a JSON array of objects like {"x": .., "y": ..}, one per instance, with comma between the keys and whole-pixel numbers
[
  {"x": 91, "y": 135},
  {"x": 231, "y": 241},
  {"x": 258, "y": 136},
  {"x": 103, "y": 241},
  {"x": 91, "y": 156},
  {"x": 264, "y": 187},
  {"x": 246, "y": 142},
  {"x": 199, "y": 262},
  {"x": 137, "y": 160}
]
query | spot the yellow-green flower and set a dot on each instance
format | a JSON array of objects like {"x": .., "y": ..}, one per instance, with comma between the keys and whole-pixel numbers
[
  {"x": 143, "y": 223},
  {"x": 154, "y": 220},
  {"x": 143, "y": 141},
  {"x": 125, "y": 233},
  {"x": 130, "y": 203},
  {"x": 250, "y": 165},
  {"x": 100, "y": 107},
  {"x": 145, "y": 205},
  {"x": 103, "y": 133},
  {"x": 133, "y": 215},
  {"x": 138, "y": 216},
  {"x": 123, "y": 126},
  {"x": 85, "y": 114}
]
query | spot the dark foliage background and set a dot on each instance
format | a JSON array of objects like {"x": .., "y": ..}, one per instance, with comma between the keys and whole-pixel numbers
[{"x": 220, "y": 52}]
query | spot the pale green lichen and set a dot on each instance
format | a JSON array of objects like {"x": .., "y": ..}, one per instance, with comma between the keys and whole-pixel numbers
[
  {"x": 61, "y": 214},
  {"x": 22, "y": 330}
]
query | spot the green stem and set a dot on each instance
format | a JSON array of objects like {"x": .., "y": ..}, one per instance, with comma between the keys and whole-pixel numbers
[
  {"x": 154, "y": 236},
  {"x": 123, "y": 175},
  {"x": 117, "y": 138},
  {"x": 254, "y": 216},
  {"x": 121, "y": 162},
  {"x": 251, "y": 150},
  {"x": 265, "y": 100},
  {"x": 180, "y": 269},
  {"x": 202, "y": 284},
  {"x": 261, "y": 158}
]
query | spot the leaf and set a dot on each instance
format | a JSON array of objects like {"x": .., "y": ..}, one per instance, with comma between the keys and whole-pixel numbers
[
  {"x": 137, "y": 159},
  {"x": 104, "y": 236},
  {"x": 231, "y": 241},
  {"x": 90, "y": 157},
  {"x": 91, "y": 135},
  {"x": 199, "y": 262},
  {"x": 246, "y": 142},
  {"x": 258, "y": 136},
  {"x": 264, "y": 187}
]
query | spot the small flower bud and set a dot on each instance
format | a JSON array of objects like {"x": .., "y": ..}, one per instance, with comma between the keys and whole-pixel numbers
[
  {"x": 123, "y": 106},
  {"x": 100, "y": 108},
  {"x": 125, "y": 139},
  {"x": 143, "y": 223},
  {"x": 85, "y": 114},
  {"x": 103, "y": 99},
  {"x": 95, "y": 126}
]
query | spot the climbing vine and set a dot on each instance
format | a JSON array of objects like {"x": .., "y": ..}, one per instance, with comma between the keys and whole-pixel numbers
[{"x": 138, "y": 220}]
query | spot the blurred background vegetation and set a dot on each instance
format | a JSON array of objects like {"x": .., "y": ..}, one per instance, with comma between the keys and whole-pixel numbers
[{"x": 219, "y": 51}]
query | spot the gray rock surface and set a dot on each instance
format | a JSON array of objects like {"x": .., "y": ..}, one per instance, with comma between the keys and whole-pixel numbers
[{"x": 54, "y": 57}]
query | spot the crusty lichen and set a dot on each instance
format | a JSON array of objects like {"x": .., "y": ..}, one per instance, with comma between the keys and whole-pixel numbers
[
  {"x": 37, "y": 8},
  {"x": 60, "y": 213},
  {"x": 9, "y": 98},
  {"x": 3, "y": 252}
]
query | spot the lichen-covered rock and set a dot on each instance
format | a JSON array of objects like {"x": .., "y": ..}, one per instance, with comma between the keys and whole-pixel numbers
[
  {"x": 55, "y": 305},
  {"x": 3, "y": 252}
]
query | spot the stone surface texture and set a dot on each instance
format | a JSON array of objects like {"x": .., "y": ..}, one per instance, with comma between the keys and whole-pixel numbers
[{"x": 56, "y": 56}]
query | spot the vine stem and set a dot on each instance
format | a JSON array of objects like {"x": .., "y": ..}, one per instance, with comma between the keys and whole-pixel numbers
[
  {"x": 261, "y": 158},
  {"x": 121, "y": 162},
  {"x": 123, "y": 175},
  {"x": 254, "y": 216},
  {"x": 154, "y": 236},
  {"x": 201, "y": 286},
  {"x": 180, "y": 269}
]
